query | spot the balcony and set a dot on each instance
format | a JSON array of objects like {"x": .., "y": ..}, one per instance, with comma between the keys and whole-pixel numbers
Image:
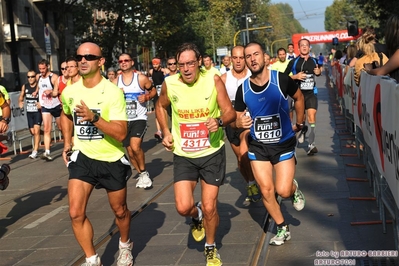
[{"x": 22, "y": 32}]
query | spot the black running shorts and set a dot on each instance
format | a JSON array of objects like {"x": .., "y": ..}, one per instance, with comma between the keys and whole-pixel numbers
[
  {"x": 211, "y": 168},
  {"x": 310, "y": 99},
  {"x": 258, "y": 151},
  {"x": 55, "y": 112},
  {"x": 135, "y": 129},
  {"x": 233, "y": 134},
  {"x": 34, "y": 118},
  {"x": 109, "y": 175}
]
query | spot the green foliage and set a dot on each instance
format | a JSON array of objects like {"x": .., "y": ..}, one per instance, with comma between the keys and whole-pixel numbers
[
  {"x": 378, "y": 11},
  {"x": 368, "y": 13},
  {"x": 121, "y": 25}
]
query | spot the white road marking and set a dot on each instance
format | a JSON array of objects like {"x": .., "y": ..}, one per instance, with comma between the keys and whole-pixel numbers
[
  {"x": 46, "y": 217},
  {"x": 159, "y": 151}
]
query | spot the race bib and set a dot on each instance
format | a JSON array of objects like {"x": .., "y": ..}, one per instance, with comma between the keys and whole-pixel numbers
[
  {"x": 131, "y": 109},
  {"x": 308, "y": 83},
  {"x": 194, "y": 137},
  {"x": 31, "y": 106},
  {"x": 85, "y": 130},
  {"x": 47, "y": 99},
  {"x": 268, "y": 128}
]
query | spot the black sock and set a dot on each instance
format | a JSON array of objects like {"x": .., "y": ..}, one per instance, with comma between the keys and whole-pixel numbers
[{"x": 282, "y": 224}]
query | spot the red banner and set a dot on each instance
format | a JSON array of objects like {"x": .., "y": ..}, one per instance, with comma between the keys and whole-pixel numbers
[{"x": 322, "y": 37}]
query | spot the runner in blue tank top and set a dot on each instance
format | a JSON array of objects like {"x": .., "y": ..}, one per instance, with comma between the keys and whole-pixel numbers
[{"x": 272, "y": 137}]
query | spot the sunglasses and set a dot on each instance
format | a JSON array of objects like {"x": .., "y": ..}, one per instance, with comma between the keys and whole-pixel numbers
[
  {"x": 124, "y": 61},
  {"x": 170, "y": 64},
  {"x": 30, "y": 77},
  {"x": 64, "y": 68},
  {"x": 88, "y": 57}
]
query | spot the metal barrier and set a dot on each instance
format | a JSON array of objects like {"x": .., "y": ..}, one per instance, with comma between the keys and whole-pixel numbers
[{"x": 385, "y": 199}]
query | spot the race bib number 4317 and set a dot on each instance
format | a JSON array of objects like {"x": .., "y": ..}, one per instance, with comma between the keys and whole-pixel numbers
[{"x": 194, "y": 137}]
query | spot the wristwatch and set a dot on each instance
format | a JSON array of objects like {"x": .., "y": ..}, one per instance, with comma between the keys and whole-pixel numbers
[
  {"x": 95, "y": 119},
  {"x": 220, "y": 122},
  {"x": 6, "y": 119}
]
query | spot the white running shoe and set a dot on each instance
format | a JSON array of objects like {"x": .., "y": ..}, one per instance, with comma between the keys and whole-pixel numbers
[
  {"x": 125, "y": 257},
  {"x": 139, "y": 183},
  {"x": 144, "y": 180},
  {"x": 33, "y": 155},
  {"x": 298, "y": 199},
  {"x": 97, "y": 263}
]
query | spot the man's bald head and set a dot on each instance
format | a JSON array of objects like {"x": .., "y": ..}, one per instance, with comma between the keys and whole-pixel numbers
[{"x": 89, "y": 48}]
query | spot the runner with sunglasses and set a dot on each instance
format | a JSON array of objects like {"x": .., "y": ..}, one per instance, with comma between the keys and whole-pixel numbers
[
  {"x": 135, "y": 87},
  {"x": 95, "y": 110},
  {"x": 172, "y": 66},
  {"x": 33, "y": 113}
]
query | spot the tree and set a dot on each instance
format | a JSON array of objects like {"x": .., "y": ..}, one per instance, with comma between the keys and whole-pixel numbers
[
  {"x": 118, "y": 25},
  {"x": 62, "y": 9},
  {"x": 281, "y": 18},
  {"x": 367, "y": 12}
]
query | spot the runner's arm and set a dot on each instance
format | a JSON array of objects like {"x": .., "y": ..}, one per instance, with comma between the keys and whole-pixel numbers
[
  {"x": 21, "y": 97},
  {"x": 161, "y": 114},
  {"x": 228, "y": 113}
]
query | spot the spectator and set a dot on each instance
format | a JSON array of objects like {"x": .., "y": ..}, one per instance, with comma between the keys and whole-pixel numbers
[
  {"x": 392, "y": 42},
  {"x": 378, "y": 47},
  {"x": 366, "y": 45},
  {"x": 111, "y": 74},
  {"x": 336, "y": 57},
  {"x": 350, "y": 53},
  {"x": 342, "y": 60}
]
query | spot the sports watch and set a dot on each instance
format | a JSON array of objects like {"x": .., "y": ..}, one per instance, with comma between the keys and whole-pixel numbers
[
  {"x": 95, "y": 119},
  {"x": 220, "y": 122},
  {"x": 6, "y": 119}
]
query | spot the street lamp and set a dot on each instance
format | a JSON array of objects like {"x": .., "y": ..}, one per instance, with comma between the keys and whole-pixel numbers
[
  {"x": 249, "y": 29},
  {"x": 248, "y": 19}
]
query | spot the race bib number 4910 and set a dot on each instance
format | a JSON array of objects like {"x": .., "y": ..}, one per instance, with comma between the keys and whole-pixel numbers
[{"x": 194, "y": 137}]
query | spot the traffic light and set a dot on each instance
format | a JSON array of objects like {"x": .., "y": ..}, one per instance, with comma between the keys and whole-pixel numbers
[
  {"x": 335, "y": 41},
  {"x": 352, "y": 28}
]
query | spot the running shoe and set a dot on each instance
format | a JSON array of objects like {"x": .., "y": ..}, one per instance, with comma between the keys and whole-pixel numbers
[
  {"x": 302, "y": 134},
  {"x": 253, "y": 193},
  {"x": 212, "y": 256},
  {"x": 197, "y": 227},
  {"x": 46, "y": 156},
  {"x": 298, "y": 199},
  {"x": 98, "y": 263},
  {"x": 144, "y": 180},
  {"x": 125, "y": 257},
  {"x": 312, "y": 149},
  {"x": 158, "y": 135},
  {"x": 139, "y": 183},
  {"x": 283, "y": 234},
  {"x": 33, "y": 155}
]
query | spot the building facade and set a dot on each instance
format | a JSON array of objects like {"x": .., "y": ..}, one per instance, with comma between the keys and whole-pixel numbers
[{"x": 30, "y": 32}]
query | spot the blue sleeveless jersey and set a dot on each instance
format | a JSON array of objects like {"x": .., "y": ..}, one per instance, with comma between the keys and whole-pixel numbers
[{"x": 269, "y": 112}]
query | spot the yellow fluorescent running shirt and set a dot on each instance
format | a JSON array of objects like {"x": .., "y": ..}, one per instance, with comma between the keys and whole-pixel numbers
[
  {"x": 108, "y": 101},
  {"x": 191, "y": 107}
]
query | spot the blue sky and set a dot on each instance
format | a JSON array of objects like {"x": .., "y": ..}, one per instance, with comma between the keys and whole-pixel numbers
[{"x": 309, "y": 13}]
